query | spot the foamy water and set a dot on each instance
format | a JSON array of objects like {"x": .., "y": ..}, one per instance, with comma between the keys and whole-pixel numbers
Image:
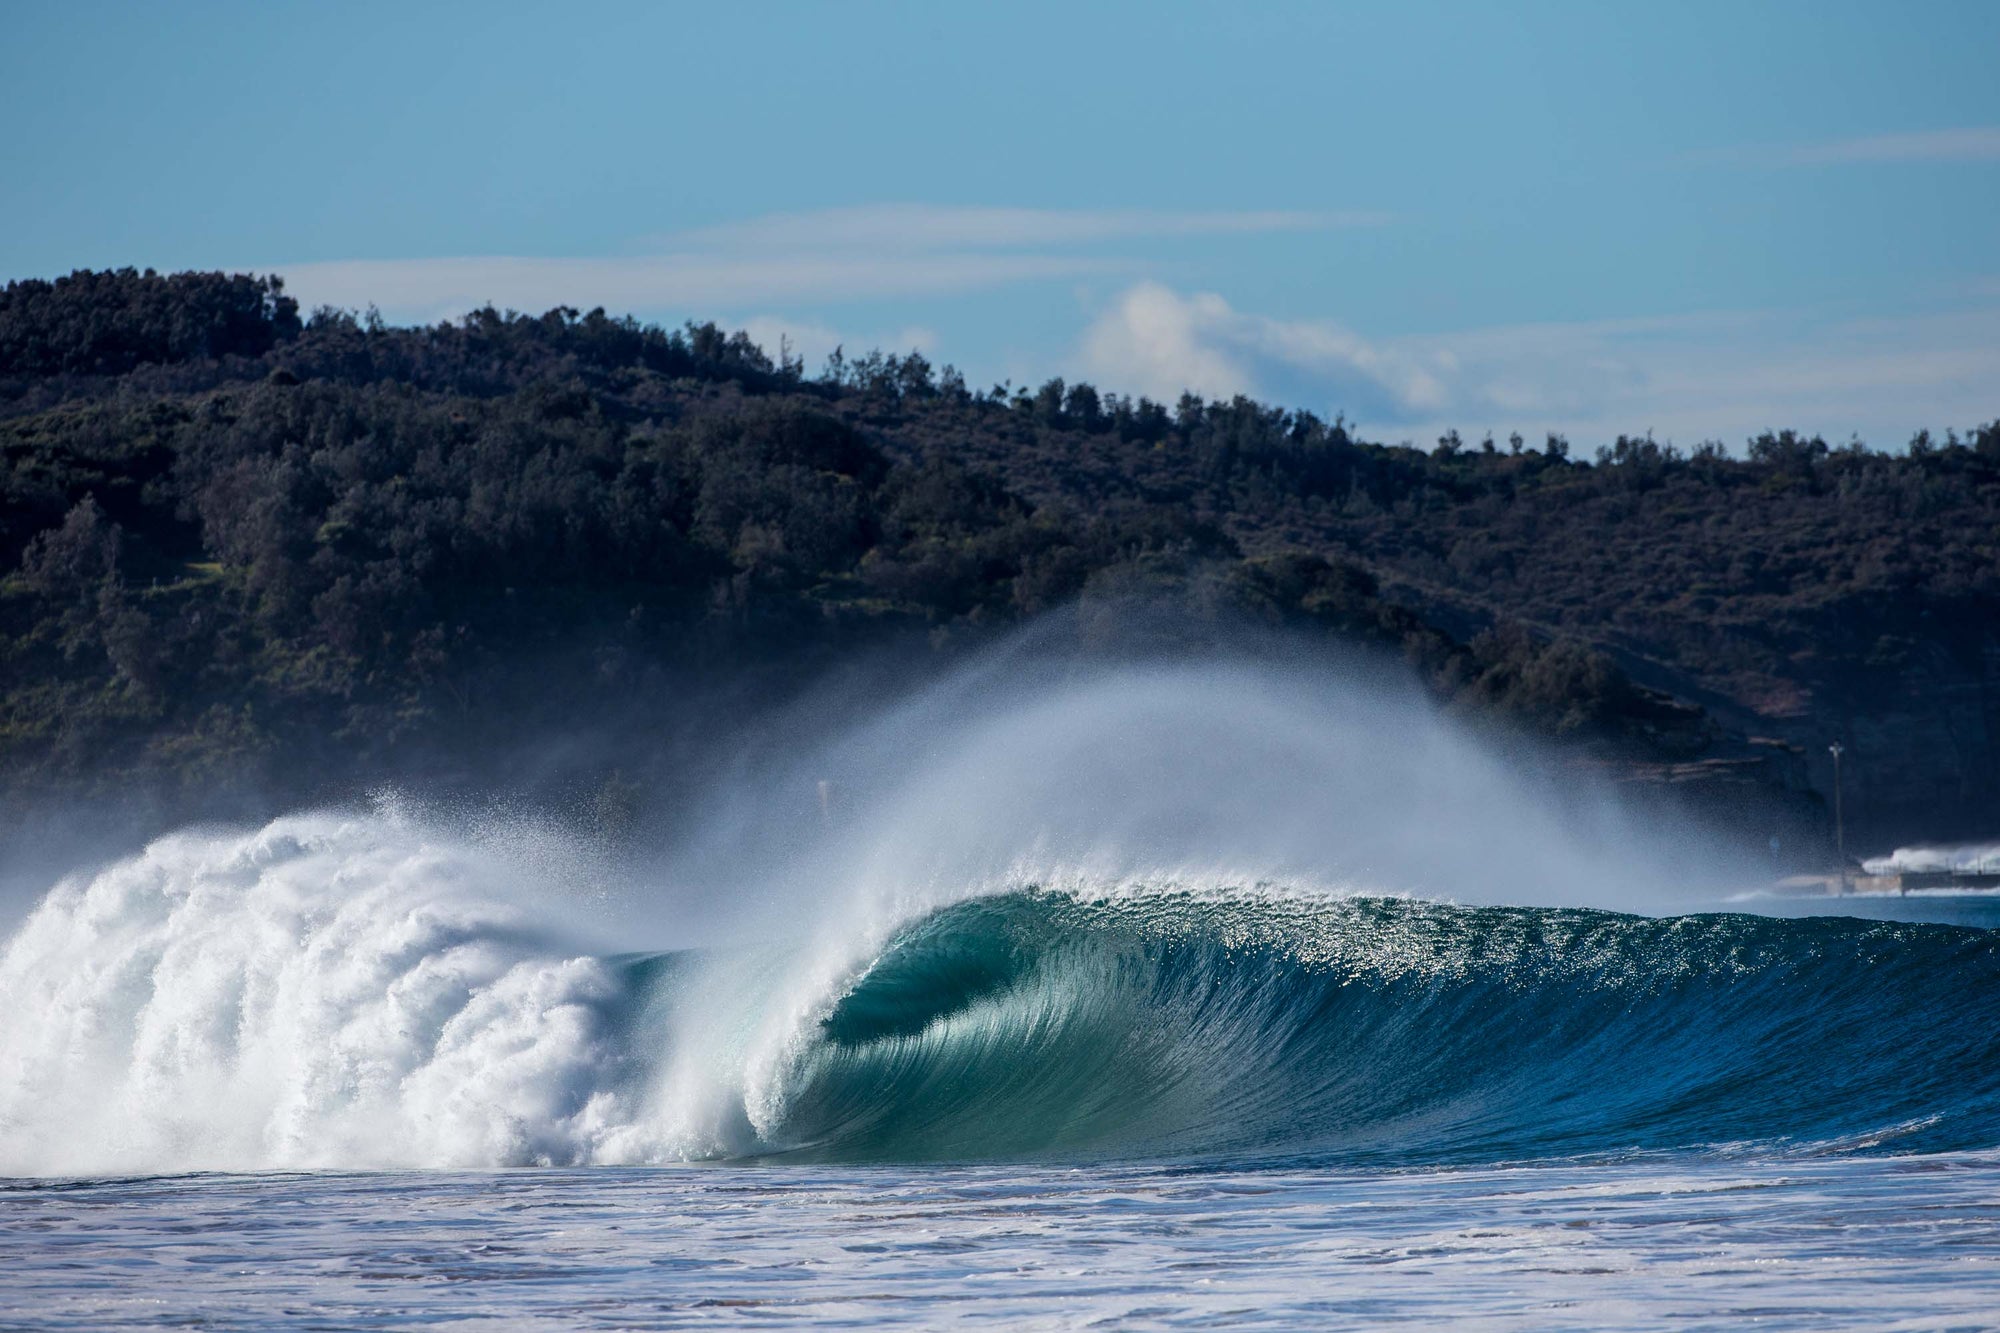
[
  {"x": 1816, "y": 1244},
  {"x": 1979, "y": 858}
]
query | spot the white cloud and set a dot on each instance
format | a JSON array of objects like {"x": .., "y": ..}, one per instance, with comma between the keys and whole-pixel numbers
[
  {"x": 1154, "y": 341},
  {"x": 863, "y": 253},
  {"x": 1722, "y": 375}
]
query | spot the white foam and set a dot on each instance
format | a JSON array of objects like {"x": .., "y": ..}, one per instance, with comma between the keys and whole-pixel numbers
[
  {"x": 323, "y": 991},
  {"x": 1980, "y": 858}
]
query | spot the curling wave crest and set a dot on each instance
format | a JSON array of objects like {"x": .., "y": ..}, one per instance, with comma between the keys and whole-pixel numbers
[{"x": 354, "y": 991}]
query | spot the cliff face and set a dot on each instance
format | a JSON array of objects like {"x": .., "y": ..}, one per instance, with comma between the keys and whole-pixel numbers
[
  {"x": 1919, "y": 731},
  {"x": 1755, "y": 790},
  {"x": 1922, "y": 742},
  {"x": 1911, "y": 693}
]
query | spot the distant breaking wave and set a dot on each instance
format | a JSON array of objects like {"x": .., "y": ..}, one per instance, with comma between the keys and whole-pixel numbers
[
  {"x": 349, "y": 992},
  {"x": 1983, "y": 858}
]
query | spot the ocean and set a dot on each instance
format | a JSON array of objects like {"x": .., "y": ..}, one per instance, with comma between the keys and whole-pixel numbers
[
  {"x": 1700, "y": 1239},
  {"x": 318, "y": 1075}
]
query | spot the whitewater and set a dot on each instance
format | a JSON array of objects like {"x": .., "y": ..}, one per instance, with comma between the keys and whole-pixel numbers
[{"x": 1126, "y": 997}]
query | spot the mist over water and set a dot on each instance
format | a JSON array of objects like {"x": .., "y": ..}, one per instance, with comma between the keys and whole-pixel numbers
[
  {"x": 1039, "y": 910},
  {"x": 1030, "y": 767}
]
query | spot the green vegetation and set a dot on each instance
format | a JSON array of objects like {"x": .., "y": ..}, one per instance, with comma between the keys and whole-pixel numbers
[{"x": 241, "y": 547}]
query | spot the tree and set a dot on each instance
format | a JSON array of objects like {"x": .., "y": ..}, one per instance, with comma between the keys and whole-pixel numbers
[
  {"x": 70, "y": 561},
  {"x": 107, "y": 323}
]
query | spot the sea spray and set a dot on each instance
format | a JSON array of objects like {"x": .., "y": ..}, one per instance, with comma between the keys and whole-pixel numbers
[{"x": 1032, "y": 767}]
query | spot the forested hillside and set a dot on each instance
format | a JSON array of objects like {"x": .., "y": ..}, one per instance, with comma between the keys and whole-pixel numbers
[{"x": 246, "y": 549}]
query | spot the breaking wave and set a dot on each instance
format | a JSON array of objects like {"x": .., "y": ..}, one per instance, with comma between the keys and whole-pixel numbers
[
  {"x": 1976, "y": 858},
  {"x": 357, "y": 991}
]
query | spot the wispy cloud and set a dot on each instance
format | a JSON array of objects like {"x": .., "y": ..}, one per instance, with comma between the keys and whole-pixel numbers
[
  {"x": 1970, "y": 143},
  {"x": 695, "y": 283},
  {"x": 872, "y": 252},
  {"x": 931, "y": 227},
  {"x": 1978, "y": 143},
  {"x": 1721, "y": 375}
]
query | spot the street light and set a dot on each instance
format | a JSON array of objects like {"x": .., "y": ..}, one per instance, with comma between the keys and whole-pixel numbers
[{"x": 1839, "y": 823}]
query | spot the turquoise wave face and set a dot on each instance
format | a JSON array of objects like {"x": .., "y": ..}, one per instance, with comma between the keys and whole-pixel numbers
[{"x": 1167, "y": 1025}]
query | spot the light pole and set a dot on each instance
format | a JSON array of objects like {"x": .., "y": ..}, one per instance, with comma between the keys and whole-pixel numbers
[{"x": 1839, "y": 823}]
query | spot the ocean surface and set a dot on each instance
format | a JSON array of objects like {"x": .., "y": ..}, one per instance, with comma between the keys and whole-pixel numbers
[
  {"x": 321, "y": 1075},
  {"x": 1698, "y": 1241}
]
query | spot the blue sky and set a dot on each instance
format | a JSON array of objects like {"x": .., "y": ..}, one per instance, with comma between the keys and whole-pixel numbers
[{"x": 1698, "y": 219}]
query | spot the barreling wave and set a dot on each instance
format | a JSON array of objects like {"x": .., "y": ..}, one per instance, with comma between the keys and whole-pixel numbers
[
  {"x": 332, "y": 992},
  {"x": 1176, "y": 1023}
]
